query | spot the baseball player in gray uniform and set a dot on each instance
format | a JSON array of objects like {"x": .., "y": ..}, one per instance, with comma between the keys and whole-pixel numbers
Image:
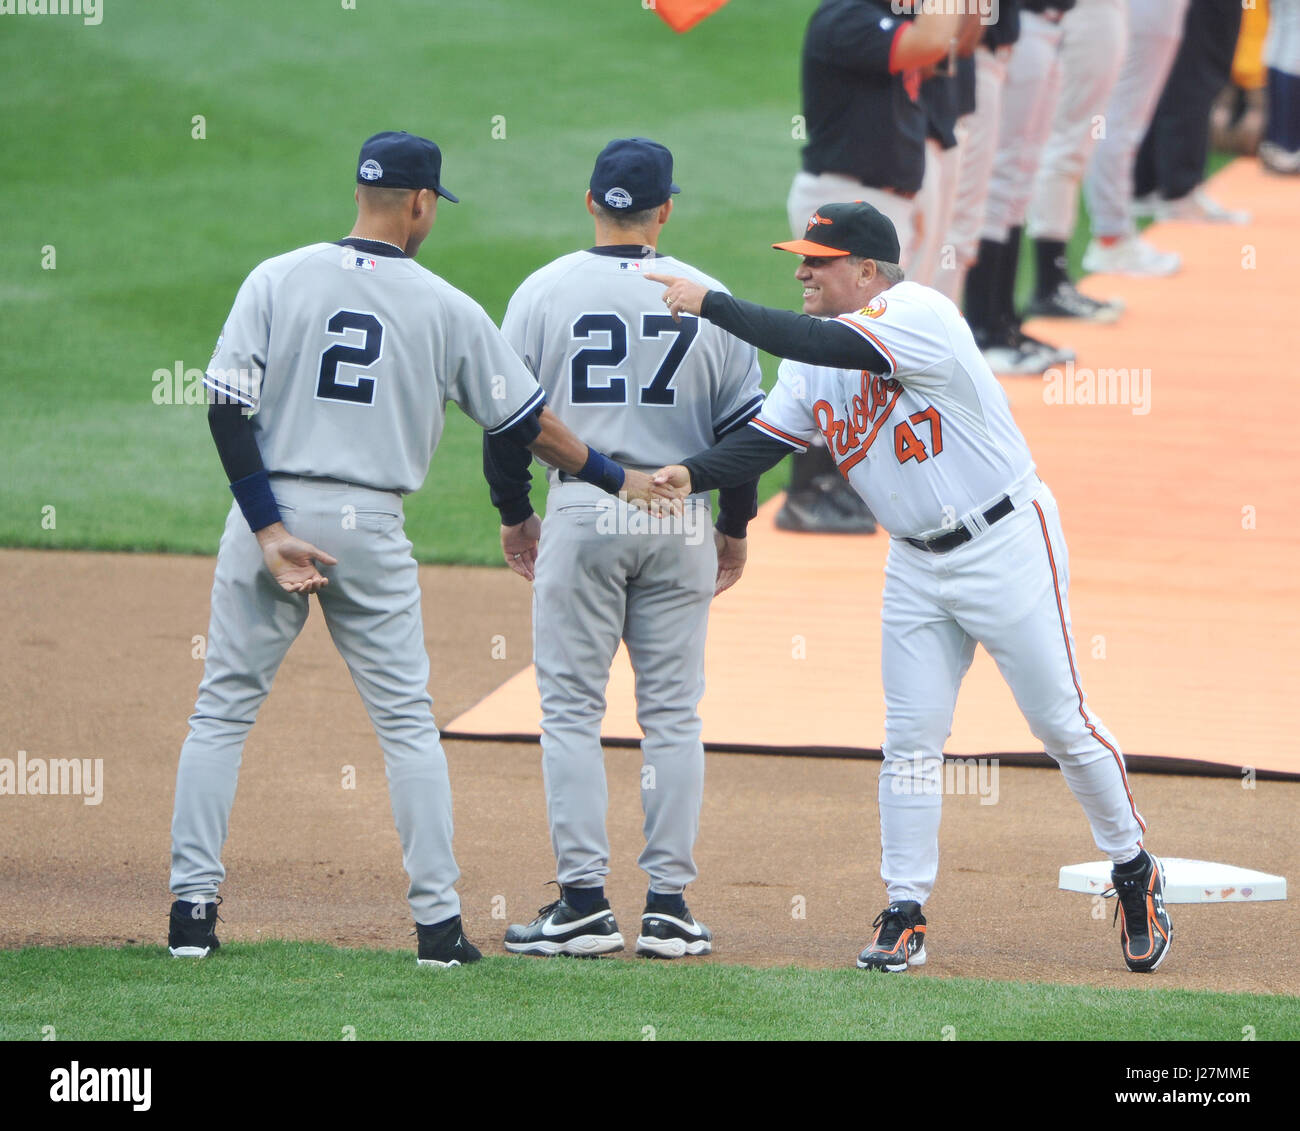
[
  {"x": 619, "y": 369},
  {"x": 328, "y": 388}
]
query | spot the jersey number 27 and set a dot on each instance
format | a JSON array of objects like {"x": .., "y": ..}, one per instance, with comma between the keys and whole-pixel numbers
[{"x": 660, "y": 391}]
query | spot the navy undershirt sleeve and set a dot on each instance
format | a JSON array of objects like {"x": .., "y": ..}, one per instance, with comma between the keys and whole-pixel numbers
[
  {"x": 506, "y": 466},
  {"x": 741, "y": 456},
  {"x": 799, "y": 337}
]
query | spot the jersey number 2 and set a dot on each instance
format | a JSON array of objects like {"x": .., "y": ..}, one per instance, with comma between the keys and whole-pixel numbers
[
  {"x": 660, "y": 391},
  {"x": 362, "y": 389}
]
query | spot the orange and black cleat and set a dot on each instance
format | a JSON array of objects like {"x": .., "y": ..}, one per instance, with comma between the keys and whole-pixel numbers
[
  {"x": 899, "y": 941},
  {"x": 1147, "y": 931}
]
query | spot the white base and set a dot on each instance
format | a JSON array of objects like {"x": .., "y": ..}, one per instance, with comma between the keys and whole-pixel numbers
[{"x": 1186, "y": 881}]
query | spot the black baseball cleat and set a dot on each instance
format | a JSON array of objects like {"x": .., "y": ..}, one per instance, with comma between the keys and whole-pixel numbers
[
  {"x": 192, "y": 929},
  {"x": 1067, "y": 301},
  {"x": 899, "y": 941},
  {"x": 444, "y": 944},
  {"x": 559, "y": 929},
  {"x": 672, "y": 936},
  {"x": 1147, "y": 930}
]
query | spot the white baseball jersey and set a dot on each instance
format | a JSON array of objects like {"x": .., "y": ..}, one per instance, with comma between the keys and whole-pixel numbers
[
  {"x": 927, "y": 442},
  {"x": 618, "y": 370},
  {"x": 351, "y": 378}
]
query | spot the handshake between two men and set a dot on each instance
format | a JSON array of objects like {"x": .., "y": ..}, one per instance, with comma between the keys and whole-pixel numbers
[{"x": 659, "y": 493}]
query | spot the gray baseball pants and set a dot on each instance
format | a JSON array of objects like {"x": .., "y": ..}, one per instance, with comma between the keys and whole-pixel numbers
[
  {"x": 606, "y": 572},
  {"x": 372, "y": 610}
]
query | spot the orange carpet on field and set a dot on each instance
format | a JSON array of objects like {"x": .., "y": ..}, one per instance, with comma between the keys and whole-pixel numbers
[{"x": 1179, "y": 508}]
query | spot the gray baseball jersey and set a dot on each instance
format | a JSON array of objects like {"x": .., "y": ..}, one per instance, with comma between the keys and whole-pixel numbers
[
  {"x": 612, "y": 360},
  {"x": 368, "y": 349},
  {"x": 347, "y": 356},
  {"x": 648, "y": 390}
]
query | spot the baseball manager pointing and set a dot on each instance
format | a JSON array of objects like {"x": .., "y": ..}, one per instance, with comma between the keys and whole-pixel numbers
[
  {"x": 329, "y": 387},
  {"x": 889, "y": 373}
]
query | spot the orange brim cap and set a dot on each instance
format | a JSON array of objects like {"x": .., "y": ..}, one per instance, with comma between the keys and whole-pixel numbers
[{"x": 807, "y": 247}]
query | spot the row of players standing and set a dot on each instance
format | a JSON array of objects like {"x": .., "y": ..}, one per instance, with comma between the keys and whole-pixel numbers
[{"x": 1034, "y": 100}]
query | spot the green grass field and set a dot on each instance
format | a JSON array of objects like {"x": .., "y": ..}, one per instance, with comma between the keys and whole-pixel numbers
[
  {"x": 288, "y": 991},
  {"x": 153, "y": 230}
]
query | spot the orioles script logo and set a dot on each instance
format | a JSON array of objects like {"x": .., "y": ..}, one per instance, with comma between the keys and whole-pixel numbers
[{"x": 864, "y": 415}]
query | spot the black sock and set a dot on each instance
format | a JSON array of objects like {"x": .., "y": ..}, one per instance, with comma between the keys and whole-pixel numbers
[
  {"x": 664, "y": 904},
  {"x": 584, "y": 900},
  {"x": 1134, "y": 867},
  {"x": 981, "y": 287},
  {"x": 1006, "y": 299},
  {"x": 1052, "y": 268}
]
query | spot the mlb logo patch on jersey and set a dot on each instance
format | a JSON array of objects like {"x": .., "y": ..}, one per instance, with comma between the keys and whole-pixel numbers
[
  {"x": 354, "y": 262},
  {"x": 629, "y": 265}
]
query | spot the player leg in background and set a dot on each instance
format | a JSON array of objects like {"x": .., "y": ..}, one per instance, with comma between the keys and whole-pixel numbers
[
  {"x": 979, "y": 145},
  {"x": 924, "y": 655},
  {"x": 667, "y": 622},
  {"x": 372, "y": 608},
  {"x": 1238, "y": 116},
  {"x": 253, "y": 623},
  {"x": 1028, "y": 106},
  {"x": 1171, "y": 161},
  {"x": 1092, "y": 50},
  {"x": 1279, "y": 152},
  {"x": 1154, "y": 31},
  {"x": 935, "y": 202}
]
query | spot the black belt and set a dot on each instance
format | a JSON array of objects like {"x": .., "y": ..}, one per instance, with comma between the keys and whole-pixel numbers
[{"x": 954, "y": 538}]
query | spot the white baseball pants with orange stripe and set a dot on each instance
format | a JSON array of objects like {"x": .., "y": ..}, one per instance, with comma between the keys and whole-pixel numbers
[{"x": 1007, "y": 590}]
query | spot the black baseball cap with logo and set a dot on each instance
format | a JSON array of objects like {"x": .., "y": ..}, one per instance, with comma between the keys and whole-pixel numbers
[
  {"x": 396, "y": 159},
  {"x": 847, "y": 229},
  {"x": 633, "y": 173}
]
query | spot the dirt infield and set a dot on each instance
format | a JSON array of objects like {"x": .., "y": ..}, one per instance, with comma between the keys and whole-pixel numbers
[{"x": 98, "y": 662}]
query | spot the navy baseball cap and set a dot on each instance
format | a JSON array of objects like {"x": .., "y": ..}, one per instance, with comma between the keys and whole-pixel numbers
[
  {"x": 847, "y": 229},
  {"x": 633, "y": 173},
  {"x": 396, "y": 159}
]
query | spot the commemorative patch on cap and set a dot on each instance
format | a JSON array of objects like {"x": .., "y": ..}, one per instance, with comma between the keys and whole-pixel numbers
[
  {"x": 633, "y": 174},
  {"x": 397, "y": 159}
]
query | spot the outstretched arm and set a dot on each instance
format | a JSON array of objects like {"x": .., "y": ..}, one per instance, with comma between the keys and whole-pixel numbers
[
  {"x": 799, "y": 337},
  {"x": 744, "y": 454}
]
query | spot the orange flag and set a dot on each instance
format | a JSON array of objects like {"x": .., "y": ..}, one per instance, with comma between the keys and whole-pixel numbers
[{"x": 682, "y": 15}]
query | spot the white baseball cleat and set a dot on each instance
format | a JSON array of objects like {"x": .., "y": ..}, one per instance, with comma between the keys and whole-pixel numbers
[
  {"x": 1131, "y": 255},
  {"x": 1199, "y": 207}
]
